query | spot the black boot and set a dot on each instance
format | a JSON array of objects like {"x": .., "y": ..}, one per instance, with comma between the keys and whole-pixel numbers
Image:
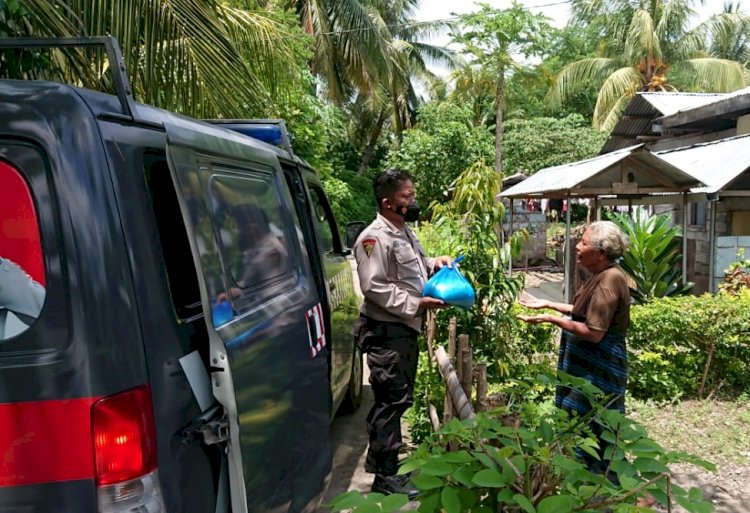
[{"x": 394, "y": 484}]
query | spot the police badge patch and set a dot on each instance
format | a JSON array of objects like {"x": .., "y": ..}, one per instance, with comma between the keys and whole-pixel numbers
[{"x": 368, "y": 244}]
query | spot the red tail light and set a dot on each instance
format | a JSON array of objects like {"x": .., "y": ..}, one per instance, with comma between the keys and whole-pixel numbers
[{"x": 124, "y": 436}]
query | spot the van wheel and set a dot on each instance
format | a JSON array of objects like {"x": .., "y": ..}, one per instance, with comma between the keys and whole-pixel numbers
[{"x": 354, "y": 393}]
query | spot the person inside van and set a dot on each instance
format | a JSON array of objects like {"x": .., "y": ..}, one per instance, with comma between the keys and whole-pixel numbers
[
  {"x": 259, "y": 254},
  {"x": 21, "y": 296}
]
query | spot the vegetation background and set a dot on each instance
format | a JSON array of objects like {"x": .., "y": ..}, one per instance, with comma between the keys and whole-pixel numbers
[{"x": 352, "y": 79}]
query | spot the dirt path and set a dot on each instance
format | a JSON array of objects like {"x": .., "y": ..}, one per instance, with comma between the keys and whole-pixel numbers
[{"x": 350, "y": 442}]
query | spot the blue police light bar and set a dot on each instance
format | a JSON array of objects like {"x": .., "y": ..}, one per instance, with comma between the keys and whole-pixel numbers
[{"x": 270, "y": 133}]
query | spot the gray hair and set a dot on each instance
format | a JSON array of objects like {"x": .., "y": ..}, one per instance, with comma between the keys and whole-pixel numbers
[{"x": 607, "y": 236}]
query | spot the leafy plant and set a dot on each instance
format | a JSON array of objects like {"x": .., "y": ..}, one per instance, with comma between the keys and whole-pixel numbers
[
  {"x": 528, "y": 463},
  {"x": 737, "y": 276},
  {"x": 470, "y": 225},
  {"x": 653, "y": 257}
]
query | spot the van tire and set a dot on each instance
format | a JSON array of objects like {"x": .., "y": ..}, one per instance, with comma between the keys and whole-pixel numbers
[{"x": 353, "y": 398}]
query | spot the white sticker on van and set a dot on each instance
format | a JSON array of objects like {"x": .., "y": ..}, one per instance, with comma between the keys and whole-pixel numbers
[{"x": 315, "y": 330}]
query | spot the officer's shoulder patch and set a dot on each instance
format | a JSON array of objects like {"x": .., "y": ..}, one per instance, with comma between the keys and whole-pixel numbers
[{"x": 368, "y": 244}]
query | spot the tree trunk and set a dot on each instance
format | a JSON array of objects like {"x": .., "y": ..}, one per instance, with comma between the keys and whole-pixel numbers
[
  {"x": 499, "y": 107},
  {"x": 370, "y": 148}
]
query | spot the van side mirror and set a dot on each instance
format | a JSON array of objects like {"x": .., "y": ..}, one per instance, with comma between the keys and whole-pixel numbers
[{"x": 352, "y": 232}]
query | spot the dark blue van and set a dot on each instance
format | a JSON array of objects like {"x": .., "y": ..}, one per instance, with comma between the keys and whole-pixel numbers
[{"x": 175, "y": 301}]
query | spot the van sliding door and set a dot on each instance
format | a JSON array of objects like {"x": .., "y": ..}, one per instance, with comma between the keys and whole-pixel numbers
[{"x": 268, "y": 352}]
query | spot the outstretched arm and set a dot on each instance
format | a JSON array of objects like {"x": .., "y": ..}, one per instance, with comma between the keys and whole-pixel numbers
[
  {"x": 577, "y": 328},
  {"x": 530, "y": 301}
]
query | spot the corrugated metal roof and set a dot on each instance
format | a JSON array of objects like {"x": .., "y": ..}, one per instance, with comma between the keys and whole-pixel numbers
[
  {"x": 718, "y": 97},
  {"x": 599, "y": 173},
  {"x": 717, "y": 164},
  {"x": 672, "y": 103},
  {"x": 639, "y": 114}
]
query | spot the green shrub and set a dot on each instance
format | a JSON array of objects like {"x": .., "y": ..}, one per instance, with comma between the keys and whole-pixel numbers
[
  {"x": 690, "y": 346},
  {"x": 522, "y": 458}
]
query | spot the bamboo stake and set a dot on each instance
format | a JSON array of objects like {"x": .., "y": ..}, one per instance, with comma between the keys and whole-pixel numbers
[
  {"x": 460, "y": 401},
  {"x": 481, "y": 387},
  {"x": 431, "y": 334},
  {"x": 466, "y": 365},
  {"x": 457, "y": 358},
  {"x": 434, "y": 420},
  {"x": 448, "y": 411},
  {"x": 705, "y": 369}
]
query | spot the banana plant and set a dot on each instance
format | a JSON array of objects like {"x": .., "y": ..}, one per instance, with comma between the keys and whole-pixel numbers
[{"x": 653, "y": 257}]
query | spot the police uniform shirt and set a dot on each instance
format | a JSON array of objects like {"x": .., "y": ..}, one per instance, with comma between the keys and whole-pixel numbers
[{"x": 393, "y": 270}]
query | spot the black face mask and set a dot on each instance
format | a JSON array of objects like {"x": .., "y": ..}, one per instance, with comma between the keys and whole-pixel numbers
[{"x": 410, "y": 213}]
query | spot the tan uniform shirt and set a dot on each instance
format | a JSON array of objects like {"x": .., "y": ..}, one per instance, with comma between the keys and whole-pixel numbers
[{"x": 392, "y": 269}]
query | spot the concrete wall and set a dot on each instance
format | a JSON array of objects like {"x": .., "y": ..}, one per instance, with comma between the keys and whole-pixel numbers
[
  {"x": 727, "y": 211},
  {"x": 535, "y": 249}
]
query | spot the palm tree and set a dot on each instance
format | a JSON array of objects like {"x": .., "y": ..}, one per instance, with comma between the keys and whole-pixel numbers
[
  {"x": 392, "y": 97},
  {"x": 184, "y": 55},
  {"x": 725, "y": 41},
  {"x": 642, "y": 43},
  {"x": 494, "y": 39}
]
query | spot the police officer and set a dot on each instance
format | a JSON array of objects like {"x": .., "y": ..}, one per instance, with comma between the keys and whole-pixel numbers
[{"x": 393, "y": 269}]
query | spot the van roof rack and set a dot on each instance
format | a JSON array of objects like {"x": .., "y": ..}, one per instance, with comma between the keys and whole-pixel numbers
[{"x": 114, "y": 55}]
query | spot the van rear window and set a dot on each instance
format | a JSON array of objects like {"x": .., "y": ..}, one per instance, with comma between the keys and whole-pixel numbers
[{"x": 22, "y": 272}]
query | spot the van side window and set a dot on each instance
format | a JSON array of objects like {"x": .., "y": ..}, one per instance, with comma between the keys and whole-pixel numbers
[
  {"x": 22, "y": 271},
  {"x": 253, "y": 237},
  {"x": 322, "y": 219}
]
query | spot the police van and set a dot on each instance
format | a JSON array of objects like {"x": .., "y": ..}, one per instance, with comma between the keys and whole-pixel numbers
[{"x": 175, "y": 302}]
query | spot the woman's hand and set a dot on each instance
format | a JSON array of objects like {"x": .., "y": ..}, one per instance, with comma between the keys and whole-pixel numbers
[
  {"x": 534, "y": 319},
  {"x": 534, "y": 303}
]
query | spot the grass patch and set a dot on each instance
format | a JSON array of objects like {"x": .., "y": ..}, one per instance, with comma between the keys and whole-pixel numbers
[{"x": 714, "y": 430}]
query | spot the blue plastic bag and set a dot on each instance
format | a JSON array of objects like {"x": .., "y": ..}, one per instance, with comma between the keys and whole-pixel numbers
[{"x": 449, "y": 285}]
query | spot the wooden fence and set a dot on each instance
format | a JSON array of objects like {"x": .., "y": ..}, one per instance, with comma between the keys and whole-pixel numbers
[{"x": 459, "y": 378}]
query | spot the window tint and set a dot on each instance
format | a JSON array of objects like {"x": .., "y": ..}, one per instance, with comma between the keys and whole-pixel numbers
[
  {"x": 254, "y": 242},
  {"x": 22, "y": 275},
  {"x": 322, "y": 219}
]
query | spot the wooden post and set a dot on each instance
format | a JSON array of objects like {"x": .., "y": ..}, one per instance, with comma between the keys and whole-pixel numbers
[
  {"x": 481, "y": 387},
  {"x": 458, "y": 358},
  {"x": 456, "y": 393},
  {"x": 466, "y": 365},
  {"x": 448, "y": 405},
  {"x": 434, "y": 418},
  {"x": 431, "y": 334}
]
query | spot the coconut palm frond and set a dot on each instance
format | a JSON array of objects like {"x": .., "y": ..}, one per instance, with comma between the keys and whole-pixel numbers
[
  {"x": 624, "y": 82},
  {"x": 716, "y": 75},
  {"x": 438, "y": 55},
  {"x": 261, "y": 41},
  {"x": 611, "y": 119},
  {"x": 729, "y": 36},
  {"x": 576, "y": 75},
  {"x": 424, "y": 29},
  {"x": 672, "y": 17},
  {"x": 642, "y": 40},
  {"x": 180, "y": 54}
]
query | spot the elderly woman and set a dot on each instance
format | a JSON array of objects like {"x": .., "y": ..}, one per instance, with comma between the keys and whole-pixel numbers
[{"x": 592, "y": 345}]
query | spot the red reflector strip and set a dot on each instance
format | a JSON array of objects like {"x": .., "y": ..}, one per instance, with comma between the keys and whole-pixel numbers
[{"x": 46, "y": 441}]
